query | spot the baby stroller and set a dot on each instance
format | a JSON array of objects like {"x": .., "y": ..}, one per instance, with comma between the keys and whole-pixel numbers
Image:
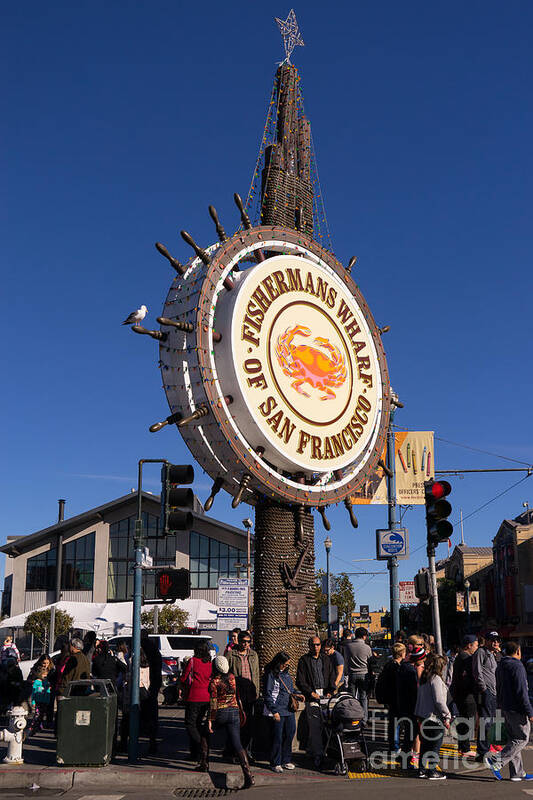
[{"x": 345, "y": 738}]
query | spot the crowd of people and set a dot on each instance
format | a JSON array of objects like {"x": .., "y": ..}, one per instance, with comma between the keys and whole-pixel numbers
[
  {"x": 471, "y": 691},
  {"x": 478, "y": 688}
]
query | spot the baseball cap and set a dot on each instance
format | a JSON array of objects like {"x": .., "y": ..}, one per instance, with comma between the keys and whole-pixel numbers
[
  {"x": 492, "y": 635},
  {"x": 470, "y": 638}
]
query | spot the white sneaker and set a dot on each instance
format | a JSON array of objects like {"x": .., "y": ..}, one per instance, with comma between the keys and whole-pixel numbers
[
  {"x": 290, "y": 765},
  {"x": 277, "y": 769}
]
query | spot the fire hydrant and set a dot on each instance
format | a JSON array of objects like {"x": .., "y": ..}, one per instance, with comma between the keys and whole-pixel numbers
[{"x": 13, "y": 735}]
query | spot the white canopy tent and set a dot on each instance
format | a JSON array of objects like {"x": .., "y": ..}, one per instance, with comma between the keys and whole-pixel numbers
[{"x": 113, "y": 619}]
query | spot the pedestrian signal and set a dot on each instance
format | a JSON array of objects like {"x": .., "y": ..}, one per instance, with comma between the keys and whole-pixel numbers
[{"x": 173, "y": 584}]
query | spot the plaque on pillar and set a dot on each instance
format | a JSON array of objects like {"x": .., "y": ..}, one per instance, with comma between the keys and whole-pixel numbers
[{"x": 296, "y": 608}]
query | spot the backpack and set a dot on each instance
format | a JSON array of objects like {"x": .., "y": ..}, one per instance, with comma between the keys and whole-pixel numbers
[{"x": 9, "y": 652}]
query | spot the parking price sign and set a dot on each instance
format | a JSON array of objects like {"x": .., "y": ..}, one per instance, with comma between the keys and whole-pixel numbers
[{"x": 232, "y": 604}]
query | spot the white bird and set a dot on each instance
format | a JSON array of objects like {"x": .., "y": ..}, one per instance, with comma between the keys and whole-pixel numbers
[{"x": 136, "y": 316}]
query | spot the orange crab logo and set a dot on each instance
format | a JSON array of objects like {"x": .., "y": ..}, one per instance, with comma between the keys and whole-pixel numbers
[{"x": 306, "y": 364}]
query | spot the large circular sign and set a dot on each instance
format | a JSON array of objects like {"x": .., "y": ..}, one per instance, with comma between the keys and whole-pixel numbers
[
  {"x": 300, "y": 364},
  {"x": 287, "y": 364}
]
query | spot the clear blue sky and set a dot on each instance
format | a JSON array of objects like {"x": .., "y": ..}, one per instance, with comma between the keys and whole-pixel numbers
[{"x": 123, "y": 121}]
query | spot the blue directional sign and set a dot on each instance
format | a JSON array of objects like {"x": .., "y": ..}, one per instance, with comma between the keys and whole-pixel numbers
[{"x": 392, "y": 543}]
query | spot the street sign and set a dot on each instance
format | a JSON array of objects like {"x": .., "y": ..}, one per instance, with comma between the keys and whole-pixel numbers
[
  {"x": 392, "y": 543},
  {"x": 232, "y": 604},
  {"x": 407, "y": 593},
  {"x": 146, "y": 558}
]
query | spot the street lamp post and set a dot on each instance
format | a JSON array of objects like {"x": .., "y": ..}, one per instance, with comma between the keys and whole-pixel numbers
[
  {"x": 327, "y": 545},
  {"x": 467, "y": 603}
]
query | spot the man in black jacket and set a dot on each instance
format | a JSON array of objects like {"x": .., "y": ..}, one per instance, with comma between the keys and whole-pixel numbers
[
  {"x": 513, "y": 699},
  {"x": 315, "y": 677},
  {"x": 463, "y": 690}
]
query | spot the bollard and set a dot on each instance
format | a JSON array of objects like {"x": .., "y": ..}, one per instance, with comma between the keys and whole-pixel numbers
[{"x": 13, "y": 735}]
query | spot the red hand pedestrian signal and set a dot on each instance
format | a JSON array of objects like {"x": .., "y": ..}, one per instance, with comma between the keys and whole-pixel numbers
[
  {"x": 174, "y": 584},
  {"x": 164, "y": 584}
]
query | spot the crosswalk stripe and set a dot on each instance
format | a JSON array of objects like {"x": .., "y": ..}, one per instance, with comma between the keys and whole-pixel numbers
[{"x": 102, "y": 797}]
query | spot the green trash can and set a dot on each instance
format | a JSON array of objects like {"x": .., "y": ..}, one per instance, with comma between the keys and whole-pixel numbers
[{"x": 86, "y": 719}]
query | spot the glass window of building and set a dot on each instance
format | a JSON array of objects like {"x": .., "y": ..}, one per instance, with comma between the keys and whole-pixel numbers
[
  {"x": 41, "y": 571},
  {"x": 121, "y": 556},
  {"x": 210, "y": 560},
  {"x": 78, "y": 563}
]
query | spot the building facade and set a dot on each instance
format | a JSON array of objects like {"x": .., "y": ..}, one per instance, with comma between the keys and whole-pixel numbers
[{"x": 97, "y": 556}]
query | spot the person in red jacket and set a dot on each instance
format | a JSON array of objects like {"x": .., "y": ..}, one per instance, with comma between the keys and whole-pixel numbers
[{"x": 195, "y": 681}]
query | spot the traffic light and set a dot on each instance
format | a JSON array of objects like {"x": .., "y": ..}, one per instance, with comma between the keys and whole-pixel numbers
[
  {"x": 422, "y": 589},
  {"x": 175, "y": 499},
  {"x": 173, "y": 584},
  {"x": 437, "y": 510}
]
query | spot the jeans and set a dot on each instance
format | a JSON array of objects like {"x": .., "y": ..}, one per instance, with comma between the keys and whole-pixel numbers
[
  {"x": 467, "y": 709},
  {"x": 431, "y": 736},
  {"x": 247, "y": 695},
  {"x": 228, "y": 718},
  {"x": 518, "y": 729},
  {"x": 357, "y": 687},
  {"x": 195, "y": 724},
  {"x": 487, "y": 712},
  {"x": 407, "y": 731},
  {"x": 283, "y": 734},
  {"x": 393, "y": 729}
]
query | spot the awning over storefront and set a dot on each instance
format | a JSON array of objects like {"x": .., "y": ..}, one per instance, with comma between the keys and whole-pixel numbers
[{"x": 113, "y": 619}]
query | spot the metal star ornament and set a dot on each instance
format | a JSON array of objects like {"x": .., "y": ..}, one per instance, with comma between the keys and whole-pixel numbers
[{"x": 291, "y": 34}]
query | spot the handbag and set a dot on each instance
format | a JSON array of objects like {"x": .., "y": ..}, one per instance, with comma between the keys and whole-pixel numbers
[{"x": 294, "y": 704}]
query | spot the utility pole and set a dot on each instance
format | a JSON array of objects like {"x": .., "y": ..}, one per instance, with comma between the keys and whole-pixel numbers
[
  {"x": 135, "y": 708},
  {"x": 439, "y": 529},
  {"x": 327, "y": 545},
  {"x": 434, "y": 599},
  {"x": 394, "y": 525},
  {"x": 59, "y": 570},
  {"x": 467, "y": 603}
]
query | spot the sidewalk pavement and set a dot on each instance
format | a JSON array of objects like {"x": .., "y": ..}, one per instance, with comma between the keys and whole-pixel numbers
[{"x": 172, "y": 769}]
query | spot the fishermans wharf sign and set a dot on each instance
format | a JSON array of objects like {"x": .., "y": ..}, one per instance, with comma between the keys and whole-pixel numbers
[
  {"x": 305, "y": 364},
  {"x": 283, "y": 369}
]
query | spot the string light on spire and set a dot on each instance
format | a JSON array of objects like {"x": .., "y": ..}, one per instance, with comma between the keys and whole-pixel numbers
[{"x": 291, "y": 34}]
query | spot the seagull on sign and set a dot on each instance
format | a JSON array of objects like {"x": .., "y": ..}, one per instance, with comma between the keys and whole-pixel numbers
[{"x": 136, "y": 316}]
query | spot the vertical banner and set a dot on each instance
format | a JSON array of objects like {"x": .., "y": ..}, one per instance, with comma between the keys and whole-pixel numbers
[
  {"x": 415, "y": 463},
  {"x": 374, "y": 489}
]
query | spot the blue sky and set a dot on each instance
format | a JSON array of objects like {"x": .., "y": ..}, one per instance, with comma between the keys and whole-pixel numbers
[{"x": 123, "y": 121}]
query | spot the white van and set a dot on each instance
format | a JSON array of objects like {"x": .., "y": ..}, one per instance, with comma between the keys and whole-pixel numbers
[{"x": 173, "y": 647}]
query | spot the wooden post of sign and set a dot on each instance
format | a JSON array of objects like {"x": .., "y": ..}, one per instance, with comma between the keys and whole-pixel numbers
[
  {"x": 284, "y": 561},
  {"x": 284, "y": 614}
]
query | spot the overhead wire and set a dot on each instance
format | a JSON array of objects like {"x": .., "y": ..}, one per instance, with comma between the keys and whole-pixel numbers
[{"x": 473, "y": 449}]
